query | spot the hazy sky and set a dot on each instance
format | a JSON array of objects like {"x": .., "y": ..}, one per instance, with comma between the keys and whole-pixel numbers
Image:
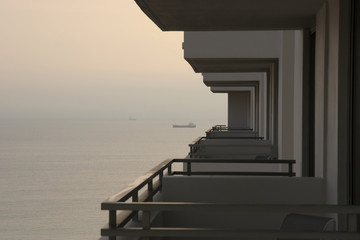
[{"x": 95, "y": 59}]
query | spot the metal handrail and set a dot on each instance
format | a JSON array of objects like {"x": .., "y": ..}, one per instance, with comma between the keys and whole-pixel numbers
[
  {"x": 118, "y": 201},
  {"x": 243, "y": 208},
  {"x": 189, "y": 171},
  {"x": 218, "y": 127},
  {"x": 230, "y": 138},
  {"x": 226, "y": 233},
  {"x": 226, "y": 128},
  {"x": 196, "y": 145},
  {"x": 158, "y": 171},
  {"x": 147, "y": 230},
  {"x": 147, "y": 179}
]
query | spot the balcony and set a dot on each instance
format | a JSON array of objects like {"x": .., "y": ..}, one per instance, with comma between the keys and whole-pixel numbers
[
  {"x": 221, "y": 205},
  {"x": 222, "y": 131},
  {"x": 222, "y": 142}
]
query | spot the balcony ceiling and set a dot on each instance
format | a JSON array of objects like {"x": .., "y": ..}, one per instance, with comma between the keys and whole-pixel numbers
[
  {"x": 230, "y": 15},
  {"x": 228, "y": 65}
]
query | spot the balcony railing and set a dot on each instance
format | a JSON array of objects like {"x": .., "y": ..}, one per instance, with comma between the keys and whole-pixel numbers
[
  {"x": 129, "y": 205},
  {"x": 225, "y": 128},
  {"x": 194, "y": 145},
  {"x": 223, "y": 132},
  {"x": 189, "y": 171},
  {"x": 199, "y": 144},
  {"x": 146, "y": 230}
]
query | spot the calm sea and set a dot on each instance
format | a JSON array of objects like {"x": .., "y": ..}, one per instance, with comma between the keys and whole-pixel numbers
[{"x": 54, "y": 174}]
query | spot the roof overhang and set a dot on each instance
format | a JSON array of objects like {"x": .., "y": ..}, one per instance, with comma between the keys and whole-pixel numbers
[{"x": 231, "y": 15}]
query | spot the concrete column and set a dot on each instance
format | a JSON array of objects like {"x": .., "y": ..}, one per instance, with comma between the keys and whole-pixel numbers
[{"x": 239, "y": 104}]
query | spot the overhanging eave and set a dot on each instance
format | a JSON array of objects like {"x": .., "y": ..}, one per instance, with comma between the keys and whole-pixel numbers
[{"x": 231, "y": 15}]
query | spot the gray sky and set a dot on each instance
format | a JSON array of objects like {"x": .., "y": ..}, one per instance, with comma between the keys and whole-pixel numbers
[{"x": 95, "y": 59}]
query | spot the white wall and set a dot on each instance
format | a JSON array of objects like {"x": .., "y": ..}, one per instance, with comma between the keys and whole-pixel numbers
[{"x": 326, "y": 97}]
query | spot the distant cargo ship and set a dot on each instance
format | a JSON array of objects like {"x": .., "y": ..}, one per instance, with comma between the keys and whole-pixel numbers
[
  {"x": 190, "y": 125},
  {"x": 132, "y": 119}
]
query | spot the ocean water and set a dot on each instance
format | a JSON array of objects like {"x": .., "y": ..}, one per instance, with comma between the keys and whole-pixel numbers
[{"x": 55, "y": 173}]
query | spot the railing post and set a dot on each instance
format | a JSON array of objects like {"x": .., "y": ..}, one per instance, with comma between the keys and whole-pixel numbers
[
  {"x": 135, "y": 198},
  {"x": 188, "y": 168},
  {"x": 169, "y": 170},
  {"x": 146, "y": 220},
  {"x": 150, "y": 189},
  {"x": 290, "y": 169},
  {"x": 150, "y": 186},
  {"x": 161, "y": 174},
  {"x": 112, "y": 218}
]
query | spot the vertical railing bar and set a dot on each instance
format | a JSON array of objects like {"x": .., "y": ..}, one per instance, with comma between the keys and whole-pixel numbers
[
  {"x": 169, "y": 170},
  {"x": 112, "y": 218},
  {"x": 189, "y": 168},
  {"x": 290, "y": 169},
  {"x": 135, "y": 198},
  {"x": 150, "y": 185},
  {"x": 161, "y": 174},
  {"x": 146, "y": 220},
  {"x": 150, "y": 189}
]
